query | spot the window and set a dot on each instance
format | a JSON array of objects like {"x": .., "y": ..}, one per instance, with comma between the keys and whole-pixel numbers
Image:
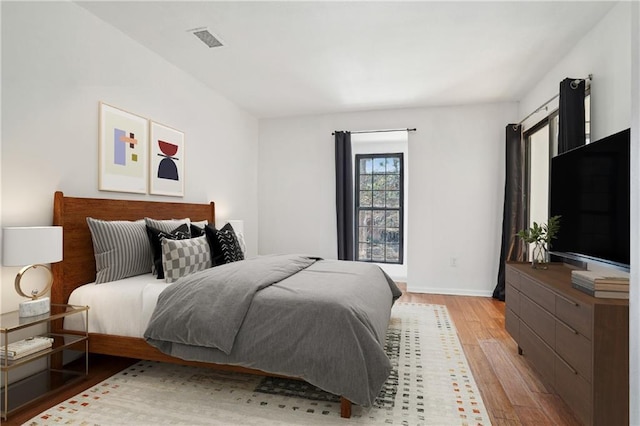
[{"x": 379, "y": 207}]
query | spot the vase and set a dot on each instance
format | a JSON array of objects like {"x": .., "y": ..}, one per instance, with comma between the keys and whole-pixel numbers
[{"x": 539, "y": 256}]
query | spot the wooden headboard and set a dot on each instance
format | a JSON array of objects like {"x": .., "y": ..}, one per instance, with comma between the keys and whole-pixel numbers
[{"x": 78, "y": 266}]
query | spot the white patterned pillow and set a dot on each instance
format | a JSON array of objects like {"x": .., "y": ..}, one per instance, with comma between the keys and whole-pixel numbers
[
  {"x": 241, "y": 243},
  {"x": 121, "y": 249},
  {"x": 184, "y": 257}
]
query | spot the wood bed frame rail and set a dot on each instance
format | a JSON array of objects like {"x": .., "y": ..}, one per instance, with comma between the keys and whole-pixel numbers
[{"x": 78, "y": 267}]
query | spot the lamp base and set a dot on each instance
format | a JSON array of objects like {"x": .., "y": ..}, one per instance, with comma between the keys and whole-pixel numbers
[{"x": 32, "y": 308}]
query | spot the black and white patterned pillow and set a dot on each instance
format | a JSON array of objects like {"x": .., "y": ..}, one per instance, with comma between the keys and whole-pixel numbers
[
  {"x": 121, "y": 249},
  {"x": 224, "y": 245},
  {"x": 184, "y": 257},
  {"x": 166, "y": 225},
  {"x": 155, "y": 238},
  {"x": 229, "y": 245},
  {"x": 196, "y": 231}
]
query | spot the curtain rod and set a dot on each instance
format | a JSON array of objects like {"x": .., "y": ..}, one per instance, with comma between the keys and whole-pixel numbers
[
  {"x": 382, "y": 131},
  {"x": 540, "y": 108},
  {"x": 575, "y": 82}
]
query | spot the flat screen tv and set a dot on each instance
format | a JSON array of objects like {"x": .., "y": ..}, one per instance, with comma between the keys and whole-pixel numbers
[{"x": 590, "y": 189}]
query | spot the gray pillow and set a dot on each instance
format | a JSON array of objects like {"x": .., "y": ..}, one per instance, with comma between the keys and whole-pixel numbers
[
  {"x": 184, "y": 257},
  {"x": 121, "y": 249},
  {"x": 200, "y": 224},
  {"x": 166, "y": 225}
]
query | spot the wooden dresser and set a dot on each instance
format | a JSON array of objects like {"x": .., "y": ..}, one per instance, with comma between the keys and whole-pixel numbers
[{"x": 579, "y": 344}]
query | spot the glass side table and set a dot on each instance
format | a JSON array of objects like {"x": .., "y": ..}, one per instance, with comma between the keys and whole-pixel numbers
[{"x": 60, "y": 370}]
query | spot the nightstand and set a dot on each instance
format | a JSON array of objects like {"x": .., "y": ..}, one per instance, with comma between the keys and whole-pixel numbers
[{"x": 59, "y": 365}]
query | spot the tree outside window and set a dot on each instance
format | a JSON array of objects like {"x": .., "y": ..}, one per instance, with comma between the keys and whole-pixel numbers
[{"x": 379, "y": 207}]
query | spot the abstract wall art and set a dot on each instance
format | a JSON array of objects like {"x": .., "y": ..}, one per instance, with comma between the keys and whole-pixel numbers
[
  {"x": 167, "y": 160},
  {"x": 123, "y": 151}
]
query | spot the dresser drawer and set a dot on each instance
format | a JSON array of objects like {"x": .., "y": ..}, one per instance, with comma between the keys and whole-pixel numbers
[
  {"x": 574, "y": 348},
  {"x": 539, "y": 320},
  {"x": 512, "y": 298},
  {"x": 578, "y": 315},
  {"x": 577, "y": 343},
  {"x": 574, "y": 390},
  {"x": 512, "y": 276},
  {"x": 538, "y": 353},
  {"x": 539, "y": 294},
  {"x": 512, "y": 324}
]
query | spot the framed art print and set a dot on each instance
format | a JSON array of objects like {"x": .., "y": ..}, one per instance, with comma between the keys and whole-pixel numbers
[
  {"x": 167, "y": 160},
  {"x": 123, "y": 152}
]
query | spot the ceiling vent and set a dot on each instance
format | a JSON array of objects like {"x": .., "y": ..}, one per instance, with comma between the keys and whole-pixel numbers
[{"x": 206, "y": 37}]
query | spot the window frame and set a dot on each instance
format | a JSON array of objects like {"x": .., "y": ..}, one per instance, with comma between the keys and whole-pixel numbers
[{"x": 399, "y": 209}]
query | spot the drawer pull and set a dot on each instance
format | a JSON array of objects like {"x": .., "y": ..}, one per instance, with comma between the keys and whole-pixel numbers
[
  {"x": 573, "y": 370},
  {"x": 574, "y": 331},
  {"x": 577, "y": 305}
]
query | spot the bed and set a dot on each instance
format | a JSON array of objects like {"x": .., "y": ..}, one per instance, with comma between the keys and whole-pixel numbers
[{"x": 360, "y": 307}]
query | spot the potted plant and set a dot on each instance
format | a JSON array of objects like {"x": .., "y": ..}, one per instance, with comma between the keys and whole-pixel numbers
[{"x": 540, "y": 235}]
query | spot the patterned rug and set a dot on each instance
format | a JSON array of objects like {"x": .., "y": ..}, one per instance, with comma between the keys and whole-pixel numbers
[{"x": 431, "y": 384}]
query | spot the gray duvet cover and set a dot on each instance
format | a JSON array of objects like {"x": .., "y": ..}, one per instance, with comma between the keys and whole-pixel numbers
[{"x": 323, "y": 321}]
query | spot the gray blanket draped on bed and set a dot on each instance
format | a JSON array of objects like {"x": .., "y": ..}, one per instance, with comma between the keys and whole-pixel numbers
[{"x": 323, "y": 321}]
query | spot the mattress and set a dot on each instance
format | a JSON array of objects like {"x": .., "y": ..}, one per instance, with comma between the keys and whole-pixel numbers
[{"x": 121, "y": 308}]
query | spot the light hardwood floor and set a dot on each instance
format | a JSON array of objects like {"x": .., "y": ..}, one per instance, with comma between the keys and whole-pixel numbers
[{"x": 511, "y": 390}]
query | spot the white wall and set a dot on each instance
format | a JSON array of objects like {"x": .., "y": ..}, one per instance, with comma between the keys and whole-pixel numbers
[
  {"x": 603, "y": 52},
  {"x": 456, "y": 187},
  {"x": 634, "y": 297},
  {"x": 58, "y": 62}
]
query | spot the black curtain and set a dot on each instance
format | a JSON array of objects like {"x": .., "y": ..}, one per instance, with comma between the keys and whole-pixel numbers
[
  {"x": 344, "y": 195},
  {"x": 571, "y": 114},
  {"x": 512, "y": 216}
]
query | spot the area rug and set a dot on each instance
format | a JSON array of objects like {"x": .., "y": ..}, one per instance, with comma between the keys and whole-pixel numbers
[{"x": 431, "y": 384}]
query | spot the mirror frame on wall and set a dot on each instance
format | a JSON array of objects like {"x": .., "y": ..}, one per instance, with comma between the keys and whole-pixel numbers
[{"x": 533, "y": 155}]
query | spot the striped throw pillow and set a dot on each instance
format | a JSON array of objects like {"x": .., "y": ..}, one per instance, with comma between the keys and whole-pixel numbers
[
  {"x": 166, "y": 225},
  {"x": 121, "y": 249}
]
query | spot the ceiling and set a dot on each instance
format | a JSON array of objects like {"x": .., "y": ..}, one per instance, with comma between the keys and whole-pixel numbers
[{"x": 296, "y": 58}]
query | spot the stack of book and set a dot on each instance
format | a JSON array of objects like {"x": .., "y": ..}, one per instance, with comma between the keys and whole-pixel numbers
[
  {"x": 22, "y": 348},
  {"x": 608, "y": 285}
]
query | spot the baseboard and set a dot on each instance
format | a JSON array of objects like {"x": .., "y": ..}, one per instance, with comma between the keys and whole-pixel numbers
[{"x": 450, "y": 291}]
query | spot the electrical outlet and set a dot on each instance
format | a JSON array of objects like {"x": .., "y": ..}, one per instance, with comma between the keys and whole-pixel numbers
[{"x": 454, "y": 262}]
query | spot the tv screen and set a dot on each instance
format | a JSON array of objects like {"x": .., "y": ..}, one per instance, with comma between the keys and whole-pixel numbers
[{"x": 590, "y": 189}]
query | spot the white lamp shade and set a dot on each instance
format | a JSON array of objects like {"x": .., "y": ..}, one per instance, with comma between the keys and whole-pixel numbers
[
  {"x": 237, "y": 225},
  {"x": 30, "y": 245}
]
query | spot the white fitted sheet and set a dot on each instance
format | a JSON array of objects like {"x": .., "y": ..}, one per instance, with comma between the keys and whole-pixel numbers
[{"x": 121, "y": 308}]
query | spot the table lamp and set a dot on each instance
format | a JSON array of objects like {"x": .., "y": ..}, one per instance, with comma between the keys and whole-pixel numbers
[{"x": 32, "y": 246}]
